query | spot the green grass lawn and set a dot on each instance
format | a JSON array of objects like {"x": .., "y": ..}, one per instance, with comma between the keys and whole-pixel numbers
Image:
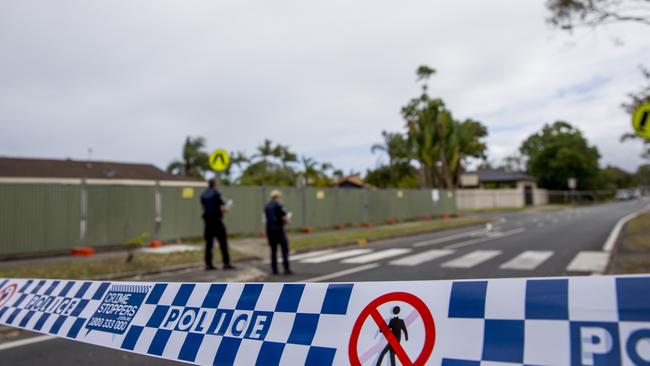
[
  {"x": 382, "y": 232},
  {"x": 633, "y": 255},
  {"x": 88, "y": 268}
]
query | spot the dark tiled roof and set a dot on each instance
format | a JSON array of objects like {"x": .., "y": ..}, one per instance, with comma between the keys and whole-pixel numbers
[
  {"x": 47, "y": 168},
  {"x": 496, "y": 175}
]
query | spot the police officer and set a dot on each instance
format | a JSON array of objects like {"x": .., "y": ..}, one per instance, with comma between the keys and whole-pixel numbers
[
  {"x": 213, "y": 209},
  {"x": 276, "y": 218}
]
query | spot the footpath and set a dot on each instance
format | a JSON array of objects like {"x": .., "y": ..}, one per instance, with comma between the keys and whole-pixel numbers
[{"x": 183, "y": 262}]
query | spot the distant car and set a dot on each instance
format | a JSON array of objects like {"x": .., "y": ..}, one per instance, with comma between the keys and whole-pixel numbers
[{"x": 622, "y": 195}]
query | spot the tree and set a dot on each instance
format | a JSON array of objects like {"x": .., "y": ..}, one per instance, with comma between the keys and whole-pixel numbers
[
  {"x": 559, "y": 152},
  {"x": 438, "y": 142},
  {"x": 194, "y": 162},
  {"x": 613, "y": 178},
  {"x": 642, "y": 175},
  {"x": 396, "y": 146},
  {"x": 568, "y": 14},
  {"x": 265, "y": 151}
]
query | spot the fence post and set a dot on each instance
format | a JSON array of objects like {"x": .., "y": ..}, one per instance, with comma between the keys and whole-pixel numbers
[
  {"x": 83, "y": 212},
  {"x": 157, "y": 211},
  {"x": 365, "y": 205}
]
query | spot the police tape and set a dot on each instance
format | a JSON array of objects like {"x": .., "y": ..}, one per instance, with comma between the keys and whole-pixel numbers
[{"x": 542, "y": 321}]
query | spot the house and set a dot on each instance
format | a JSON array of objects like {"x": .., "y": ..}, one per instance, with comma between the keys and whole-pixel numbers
[
  {"x": 38, "y": 170},
  {"x": 496, "y": 178},
  {"x": 352, "y": 181},
  {"x": 497, "y": 188}
]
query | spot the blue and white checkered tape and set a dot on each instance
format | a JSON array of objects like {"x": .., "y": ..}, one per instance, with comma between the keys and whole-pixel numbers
[{"x": 544, "y": 321}]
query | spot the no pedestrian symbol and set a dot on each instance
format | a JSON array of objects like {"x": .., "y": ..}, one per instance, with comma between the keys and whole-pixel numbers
[
  {"x": 7, "y": 293},
  {"x": 219, "y": 160},
  {"x": 392, "y": 330}
]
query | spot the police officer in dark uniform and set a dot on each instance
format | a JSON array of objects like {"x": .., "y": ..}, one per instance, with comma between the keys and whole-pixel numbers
[
  {"x": 213, "y": 209},
  {"x": 276, "y": 218}
]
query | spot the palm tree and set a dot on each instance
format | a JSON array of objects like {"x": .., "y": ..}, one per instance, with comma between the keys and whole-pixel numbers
[
  {"x": 265, "y": 151},
  {"x": 395, "y": 145},
  {"x": 238, "y": 159},
  {"x": 309, "y": 168},
  {"x": 194, "y": 160}
]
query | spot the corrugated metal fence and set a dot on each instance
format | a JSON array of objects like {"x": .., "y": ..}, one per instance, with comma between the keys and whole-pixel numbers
[{"x": 49, "y": 217}]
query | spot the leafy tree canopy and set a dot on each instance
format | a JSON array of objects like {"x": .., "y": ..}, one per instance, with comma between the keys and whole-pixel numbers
[
  {"x": 559, "y": 152},
  {"x": 568, "y": 14}
]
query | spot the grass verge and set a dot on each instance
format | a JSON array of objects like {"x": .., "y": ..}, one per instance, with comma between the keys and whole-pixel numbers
[
  {"x": 88, "y": 268},
  {"x": 383, "y": 232},
  {"x": 633, "y": 255}
]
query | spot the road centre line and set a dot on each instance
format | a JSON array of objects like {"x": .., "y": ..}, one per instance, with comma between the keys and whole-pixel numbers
[
  {"x": 483, "y": 239},
  {"x": 447, "y": 238}
]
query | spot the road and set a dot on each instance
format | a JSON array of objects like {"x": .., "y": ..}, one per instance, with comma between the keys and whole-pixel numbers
[{"x": 524, "y": 244}]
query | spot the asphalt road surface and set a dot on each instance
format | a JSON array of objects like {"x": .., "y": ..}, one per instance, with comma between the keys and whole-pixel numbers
[{"x": 525, "y": 244}]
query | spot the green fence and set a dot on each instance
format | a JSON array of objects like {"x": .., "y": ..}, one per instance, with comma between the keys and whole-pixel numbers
[{"x": 53, "y": 217}]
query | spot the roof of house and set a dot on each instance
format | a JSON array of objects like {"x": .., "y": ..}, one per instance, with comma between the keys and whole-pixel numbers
[
  {"x": 50, "y": 168},
  {"x": 498, "y": 175},
  {"x": 352, "y": 180}
]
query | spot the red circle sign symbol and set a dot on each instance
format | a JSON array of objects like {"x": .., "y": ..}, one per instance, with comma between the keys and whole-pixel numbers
[
  {"x": 371, "y": 310},
  {"x": 7, "y": 293}
]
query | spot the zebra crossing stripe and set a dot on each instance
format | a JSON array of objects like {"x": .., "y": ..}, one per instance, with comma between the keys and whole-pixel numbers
[
  {"x": 528, "y": 260},
  {"x": 337, "y": 255},
  {"x": 423, "y": 257},
  {"x": 472, "y": 259},
  {"x": 377, "y": 256}
]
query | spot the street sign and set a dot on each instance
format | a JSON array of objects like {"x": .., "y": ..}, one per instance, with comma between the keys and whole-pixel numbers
[
  {"x": 388, "y": 330},
  {"x": 219, "y": 160},
  {"x": 641, "y": 120},
  {"x": 572, "y": 183}
]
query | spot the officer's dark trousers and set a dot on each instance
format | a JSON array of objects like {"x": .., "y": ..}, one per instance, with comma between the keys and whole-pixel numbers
[
  {"x": 214, "y": 228},
  {"x": 276, "y": 236}
]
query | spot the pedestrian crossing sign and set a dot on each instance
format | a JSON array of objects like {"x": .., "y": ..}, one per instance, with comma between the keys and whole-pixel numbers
[
  {"x": 219, "y": 160},
  {"x": 641, "y": 120}
]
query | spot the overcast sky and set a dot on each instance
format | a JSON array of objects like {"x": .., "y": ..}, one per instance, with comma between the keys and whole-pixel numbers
[{"x": 130, "y": 79}]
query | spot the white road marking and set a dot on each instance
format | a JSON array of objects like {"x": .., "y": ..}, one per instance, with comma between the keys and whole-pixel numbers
[
  {"x": 310, "y": 254},
  {"x": 341, "y": 273},
  {"x": 588, "y": 261},
  {"x": 372, "y": 257},
  {"x": 488, "y": 238},
  {"x": 613, "y": 235},
  {"x": 446, "y": 238},
  {"x": 25, "y": 342},
  {"x": 337, "y": 255},
  {"x": 528, "y": 260},
  {"x": 472, "y": 259},
  {"x": 304, "y": 255},
  {"x": 422, "y": 257}
]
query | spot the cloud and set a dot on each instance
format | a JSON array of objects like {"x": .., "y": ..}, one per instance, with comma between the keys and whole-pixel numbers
[{"x": 132, "y": 79}]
